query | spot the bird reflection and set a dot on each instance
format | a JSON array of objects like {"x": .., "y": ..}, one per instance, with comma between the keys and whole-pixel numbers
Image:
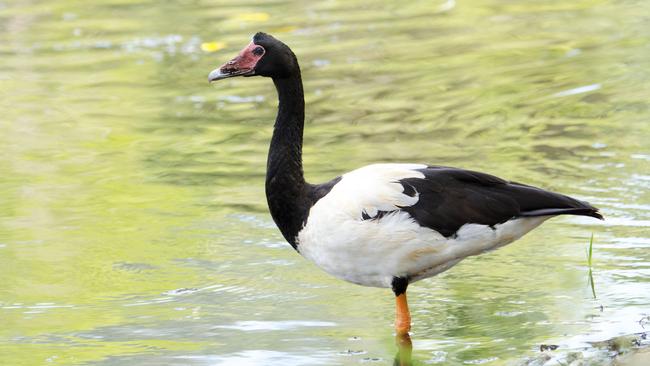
[{"x": 404, "y": 350}]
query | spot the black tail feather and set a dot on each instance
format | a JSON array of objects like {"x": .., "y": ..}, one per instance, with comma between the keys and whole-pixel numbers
[{"x": 593, "y": 212}]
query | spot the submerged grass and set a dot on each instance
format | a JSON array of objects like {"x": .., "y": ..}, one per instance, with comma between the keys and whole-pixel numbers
[{"x": 590, "y": 252}]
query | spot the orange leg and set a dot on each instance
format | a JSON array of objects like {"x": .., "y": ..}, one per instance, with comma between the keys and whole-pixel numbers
[{"x": 403, "y": 316}]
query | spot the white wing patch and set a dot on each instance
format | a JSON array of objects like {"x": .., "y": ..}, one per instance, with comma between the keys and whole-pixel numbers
[{"x": 374, "y": 188}]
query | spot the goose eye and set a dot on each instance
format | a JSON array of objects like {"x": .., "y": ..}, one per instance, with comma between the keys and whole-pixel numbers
[{"x": 258, "y": 51}]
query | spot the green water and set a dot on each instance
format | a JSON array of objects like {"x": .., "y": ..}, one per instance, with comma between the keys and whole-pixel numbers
[{"x": 133, "y": 224}]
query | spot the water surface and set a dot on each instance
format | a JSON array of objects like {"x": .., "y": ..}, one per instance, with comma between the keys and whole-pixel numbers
[{"x": 133, "y": 223}]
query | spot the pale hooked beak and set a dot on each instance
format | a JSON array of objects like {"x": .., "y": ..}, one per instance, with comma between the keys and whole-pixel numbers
[
  {"x": 242, "y": 65},
  {"x": 220, "y": 73}
]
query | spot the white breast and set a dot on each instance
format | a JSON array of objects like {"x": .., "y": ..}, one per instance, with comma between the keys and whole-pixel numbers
[{"x": 372, "y": 252}]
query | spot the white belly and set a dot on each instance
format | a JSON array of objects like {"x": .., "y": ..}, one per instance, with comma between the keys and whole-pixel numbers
[{"x": 372, "y": 252}]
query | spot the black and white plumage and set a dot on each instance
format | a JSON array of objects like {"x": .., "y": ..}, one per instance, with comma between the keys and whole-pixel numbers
[
  {"x": 414, "y": 221},
  {"x": 384, "y": 225}
]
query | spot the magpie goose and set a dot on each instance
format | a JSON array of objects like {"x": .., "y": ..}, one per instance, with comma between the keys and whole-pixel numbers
[{"x": 384, "y": 225}]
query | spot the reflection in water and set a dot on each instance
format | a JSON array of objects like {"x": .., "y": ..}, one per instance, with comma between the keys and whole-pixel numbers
[{"x": 404, "y": 350}]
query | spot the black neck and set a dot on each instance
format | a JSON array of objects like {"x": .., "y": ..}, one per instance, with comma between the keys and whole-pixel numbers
[{"x": 286, "y": 190}]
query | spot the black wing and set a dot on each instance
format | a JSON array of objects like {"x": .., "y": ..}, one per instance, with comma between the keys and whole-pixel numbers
[{"x": 450, "y": 198}]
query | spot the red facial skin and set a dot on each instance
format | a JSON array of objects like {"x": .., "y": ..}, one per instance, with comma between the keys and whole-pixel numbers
[{"x": 245, "y": 61}]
